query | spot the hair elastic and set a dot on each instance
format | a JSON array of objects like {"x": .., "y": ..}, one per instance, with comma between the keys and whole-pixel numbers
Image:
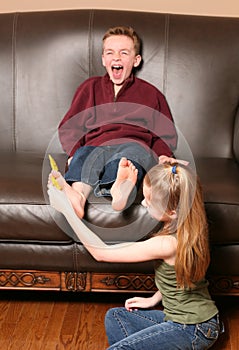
[{"x": 174, "y": 169}]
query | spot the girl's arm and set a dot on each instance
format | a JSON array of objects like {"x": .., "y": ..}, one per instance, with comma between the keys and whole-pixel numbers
[
  {"x": 143, "y": 303},
  {"x": 158, "y": 247}
]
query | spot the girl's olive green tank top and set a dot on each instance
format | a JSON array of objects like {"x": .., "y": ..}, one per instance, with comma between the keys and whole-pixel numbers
[{"x": 187, "y": 306}]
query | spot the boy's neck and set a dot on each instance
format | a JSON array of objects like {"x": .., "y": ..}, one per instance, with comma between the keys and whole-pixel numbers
[{"x": 117, "y": 89}]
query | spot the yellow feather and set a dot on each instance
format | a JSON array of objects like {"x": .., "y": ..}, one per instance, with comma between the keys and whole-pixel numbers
[
  {"x": 53, "y": 163},
  {"x": 54, "y": 167}
]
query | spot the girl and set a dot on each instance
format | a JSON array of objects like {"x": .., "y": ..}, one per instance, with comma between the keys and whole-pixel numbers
[{"x": 189, "y": 320}]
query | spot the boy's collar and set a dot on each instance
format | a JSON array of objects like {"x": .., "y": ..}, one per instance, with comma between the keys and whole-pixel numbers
[{"x": 129, "y": 81}]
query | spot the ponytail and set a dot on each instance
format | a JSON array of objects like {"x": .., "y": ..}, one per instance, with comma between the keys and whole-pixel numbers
[{"x": 178, "y": 188}]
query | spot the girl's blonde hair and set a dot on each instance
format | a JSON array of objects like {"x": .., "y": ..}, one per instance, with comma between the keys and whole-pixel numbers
[
  {"x": 127, "y": 31},
  {"x": 177, "y": 188}
]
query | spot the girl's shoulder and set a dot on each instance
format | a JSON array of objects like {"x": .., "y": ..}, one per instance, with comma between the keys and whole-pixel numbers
[
  {"x": 164, "y": 246},
  {"x": 171, "y": 248}
]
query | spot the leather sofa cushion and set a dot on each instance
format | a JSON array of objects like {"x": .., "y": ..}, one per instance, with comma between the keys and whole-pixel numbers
[{"x": 26, "y": 216}]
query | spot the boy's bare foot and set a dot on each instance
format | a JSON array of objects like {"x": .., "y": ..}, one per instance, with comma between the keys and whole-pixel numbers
[
  {"x": 74, "y": 194},
  {"x": 124, "y": 184}
]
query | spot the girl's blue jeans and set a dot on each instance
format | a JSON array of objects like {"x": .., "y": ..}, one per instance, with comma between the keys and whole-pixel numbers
[{"x": 147, "y": 330}]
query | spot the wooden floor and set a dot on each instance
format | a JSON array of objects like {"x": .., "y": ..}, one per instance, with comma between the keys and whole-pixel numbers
[{"x": 55, "y": 321}]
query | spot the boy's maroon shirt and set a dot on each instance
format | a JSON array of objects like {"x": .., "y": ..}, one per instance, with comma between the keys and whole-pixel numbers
[{"x": 139, "y": 113}]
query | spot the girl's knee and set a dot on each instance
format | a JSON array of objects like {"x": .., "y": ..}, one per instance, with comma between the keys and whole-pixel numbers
[
  {"x": 112, "y": 312},
  {"x": 111, "y": 324},
  {"x": 109, "y": 316}
]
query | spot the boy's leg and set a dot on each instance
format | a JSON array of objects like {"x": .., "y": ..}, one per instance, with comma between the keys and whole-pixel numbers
[
  {"x": 124, "y": 183},
  {"x": 77, "y": 193},
  {"x": 82, "y": 191},
  {"x": 82, "y": 174}
]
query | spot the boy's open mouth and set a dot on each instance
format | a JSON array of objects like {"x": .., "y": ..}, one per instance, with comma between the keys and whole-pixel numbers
[
  {"x": 117, "y": 67},
  {"x": 117, "y": 70}
]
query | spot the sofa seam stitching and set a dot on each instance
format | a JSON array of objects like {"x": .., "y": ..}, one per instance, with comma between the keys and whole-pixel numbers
[
  {"x": 91, "y": 17},
  {"x": 14, "y": 80},
  {"x": 75, "y": 260},
  {"x": 166, "y": 38}
]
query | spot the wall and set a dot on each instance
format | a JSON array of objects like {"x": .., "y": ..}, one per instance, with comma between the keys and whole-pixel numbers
[{"x": 228, "y": 8}]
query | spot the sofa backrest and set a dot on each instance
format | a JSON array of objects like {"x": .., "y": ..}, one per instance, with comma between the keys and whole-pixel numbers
[{"x": 193, "y": 60}]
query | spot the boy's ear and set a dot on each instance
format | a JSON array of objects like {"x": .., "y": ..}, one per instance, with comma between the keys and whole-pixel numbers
[
  {"x": 103, "y": 60},
  {"x": 138, "y": 59}
]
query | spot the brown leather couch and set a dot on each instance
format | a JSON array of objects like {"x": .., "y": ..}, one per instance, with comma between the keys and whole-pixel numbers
[{"x": 44, "y": 56}]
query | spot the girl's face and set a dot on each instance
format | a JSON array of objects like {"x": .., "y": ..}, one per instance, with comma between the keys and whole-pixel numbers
[
  {"x": 119, "y": 58},
  {"x": 156, "y": 213}
]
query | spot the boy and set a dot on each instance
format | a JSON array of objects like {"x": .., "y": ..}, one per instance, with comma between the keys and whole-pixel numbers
[{"x": 115, "y": 122}]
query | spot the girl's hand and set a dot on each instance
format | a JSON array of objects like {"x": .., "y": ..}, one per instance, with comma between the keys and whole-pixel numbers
[
  {"x": 165, "y": 159},
  {"x": 143, "y": 303},
  {"x": 58, "y": 198},
  {"x": 140, "y": 303}
]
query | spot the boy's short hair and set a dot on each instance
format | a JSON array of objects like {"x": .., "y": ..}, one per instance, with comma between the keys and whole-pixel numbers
[{"x": 127, "y": 31}]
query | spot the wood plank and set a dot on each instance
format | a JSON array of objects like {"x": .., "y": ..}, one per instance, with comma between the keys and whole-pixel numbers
[
  {"x": 39, "y": 325},
  {"x": 9, "y": 325},
  {"x": 51, "y": 338},
  {"x": 70, "y": 325},
  {"x": 98, "y": 336},
  {"x": 23, "y": 325},
  {"x": 4, "y": 329},
  {"x": 232, "y": 325},
  {"x": 85, "y": 326}
]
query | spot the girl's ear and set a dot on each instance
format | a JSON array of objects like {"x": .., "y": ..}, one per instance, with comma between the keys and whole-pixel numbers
[{"x": 172, "y": 214}]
